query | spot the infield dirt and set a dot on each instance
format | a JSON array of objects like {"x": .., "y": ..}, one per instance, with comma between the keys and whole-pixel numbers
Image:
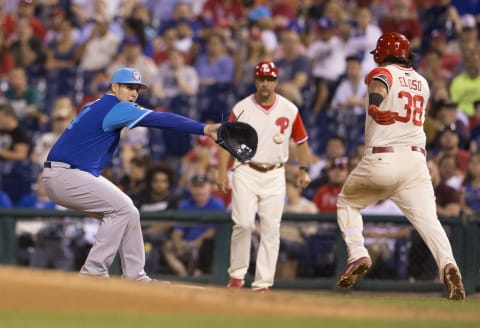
[{"x": 27, "y": 289}]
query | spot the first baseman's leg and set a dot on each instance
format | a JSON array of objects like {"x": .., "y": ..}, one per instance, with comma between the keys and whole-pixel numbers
[
  {"x": 82, "y": 191},
  {"x": 270, "y": 211},
  {"x": 244, "y": 208},
  {"x": 132, "y": 250}
]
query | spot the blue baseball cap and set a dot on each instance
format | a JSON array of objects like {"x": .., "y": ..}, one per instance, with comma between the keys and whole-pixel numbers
[
  {"x": 325, "y": 23},
  {"x": 127, "y": 75}
]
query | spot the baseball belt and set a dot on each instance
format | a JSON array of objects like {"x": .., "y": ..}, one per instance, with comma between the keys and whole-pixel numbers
[
  {"x": 263, "y": 169},
  {"x": 390, "y": 149},
  {"x": 51, "y": 164}
]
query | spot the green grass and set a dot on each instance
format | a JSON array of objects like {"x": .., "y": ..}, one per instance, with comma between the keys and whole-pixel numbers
[
  {"x": 63, "y": 320},
  {"x": 417, "y": 304}
]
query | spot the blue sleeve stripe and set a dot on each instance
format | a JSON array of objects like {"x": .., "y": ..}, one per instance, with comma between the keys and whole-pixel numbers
[{"x": 134, "y": 123}]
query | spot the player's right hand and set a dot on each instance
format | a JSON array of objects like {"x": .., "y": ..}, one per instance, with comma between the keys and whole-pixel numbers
[
  {"x": 223, "y": 183},
  {"x": 382, "y": 117}
]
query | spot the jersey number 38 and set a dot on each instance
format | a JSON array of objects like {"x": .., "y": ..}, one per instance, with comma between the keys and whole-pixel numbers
[{"x": 413, "y": 108}]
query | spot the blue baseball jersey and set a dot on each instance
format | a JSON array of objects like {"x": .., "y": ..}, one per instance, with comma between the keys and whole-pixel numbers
[{"x": 90, "y": 140}]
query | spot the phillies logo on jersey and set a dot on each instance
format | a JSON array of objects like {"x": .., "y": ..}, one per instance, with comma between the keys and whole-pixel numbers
[
  {"x": 136, "y": 76},
  {"x": 283, "y": 123}
]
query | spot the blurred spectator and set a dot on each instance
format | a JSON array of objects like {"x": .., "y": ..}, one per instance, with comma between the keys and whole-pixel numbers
[
  {"x": 349, "y": 95},
  {"x": 5, "y": 201},
  {"x": 25, "y": 10},
  {"x": 446, "y": 197},
  {"x": 439, "y": 18},
  {"x": 363, "y": 38},
  {"x": 188, "y": 29},
  {"x": 321, "y": 245},
  {"x": 216, "y": 72},
  {"x": 52, "y": 245},
  {"x": 133, "y": 142},
  {"x": 56, "y": 19},
  {"x": 246, "y": 58},
  {"x": 474, "y": 127},
  {"x": 177, "y": 91},
  {"x": 402, "y": 19},
  {"x": 164, "y": 43},
  {"x": 431, "y": 67},
  {"x": 449, "y": 144},
  {"x": 466, "y": 7},
  {"x": 466, "y": 39},
  {"x": 294, "y": 71},
  {"x": 158, "y": 192},
  {"x": 445, "y": 114},
  {"x": 178, "y": 85},
  {"x": 131, "y": 55},
  {"x": 259, "y": 22},
  {"x": 7, "y": 61},
  {"x": 449, "y": 171},
  {"x": 327, "y": 53},
  {"x": 422, "y": 265},
  {"x": 325, "y": 198},
  {"x": 465, "y": 86},
  {"x": 197, "y": 160},
  {"x": 98, "y": 86},
  {"x": 163, "y": 10},
  {"x": 212, "y": 175},
  {"x": 61, "y": 66},
  {"x": 387, "y": 243},
  {"x": 292, "y": 258},
  {"x": 470, "y": 197},
  {"x": 222, "y": 12},
  {"x": 439, "y": 44},
  {"x": 97, "y": 51},
  {"x": 26, "y": 101},
  {"x": 135, "y": 27},
  {"x": 335, "y": 148},
  {"x": 133, "y": 179},
  {"x": 190, "y": 248},
  {"x": 16, "y": 172},
  {"x": 154, "y": 191},
  {"x": 28, "y": 51},
  {"x": 283, "y": 13},
  {"x": 83, "y": 10},
  {"x": 140, "y": 13},
  {"x": 63, "y": 113}
]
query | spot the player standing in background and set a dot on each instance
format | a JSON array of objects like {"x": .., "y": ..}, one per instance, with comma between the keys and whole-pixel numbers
[
  {"x": 72, "y": 171},
  {"x": 394, "y": 165},
  {"x": 259, "y": 186}
]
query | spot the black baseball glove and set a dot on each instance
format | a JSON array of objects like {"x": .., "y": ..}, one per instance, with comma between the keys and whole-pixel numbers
[{"x": 239, "y": 139}]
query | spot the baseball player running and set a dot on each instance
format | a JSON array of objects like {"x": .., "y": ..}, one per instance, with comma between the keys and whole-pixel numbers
[
  {"x": 259, "y": 186},
  {"x": 394, "y": 165},
  {"x": 72, "y": 171}
]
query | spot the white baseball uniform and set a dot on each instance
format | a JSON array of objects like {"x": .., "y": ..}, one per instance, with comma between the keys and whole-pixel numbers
[
  {"x": 394, "y": 166},
  {"x": 254, "y": 191}
]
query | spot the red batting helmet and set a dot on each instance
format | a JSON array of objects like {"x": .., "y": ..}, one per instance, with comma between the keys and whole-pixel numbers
[
  {"x": 266, "y": 69},
  {"x": 394, "y": 44}
]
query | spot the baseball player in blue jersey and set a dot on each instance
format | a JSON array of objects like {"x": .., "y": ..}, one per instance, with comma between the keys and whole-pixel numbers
[{"x": 72, "y": 171}]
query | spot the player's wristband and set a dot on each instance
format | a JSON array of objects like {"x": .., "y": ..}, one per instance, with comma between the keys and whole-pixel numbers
[{"x": 304, "y": 168}]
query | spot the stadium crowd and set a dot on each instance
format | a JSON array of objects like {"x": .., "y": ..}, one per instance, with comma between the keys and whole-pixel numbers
[{"x": 198, "y": 58}]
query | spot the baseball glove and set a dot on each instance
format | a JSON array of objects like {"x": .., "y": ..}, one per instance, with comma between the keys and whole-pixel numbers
[{"x": 239, "y": 139}]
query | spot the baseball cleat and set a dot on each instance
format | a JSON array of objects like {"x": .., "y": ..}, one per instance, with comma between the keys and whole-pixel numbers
[
  {"x": 264, "y": 290},
  {"x": 453, "y": 283},
  {"x": 352, "y": 271},
  {"x": 156, "y": 281},
  {"x": 235, "y": 283}
]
